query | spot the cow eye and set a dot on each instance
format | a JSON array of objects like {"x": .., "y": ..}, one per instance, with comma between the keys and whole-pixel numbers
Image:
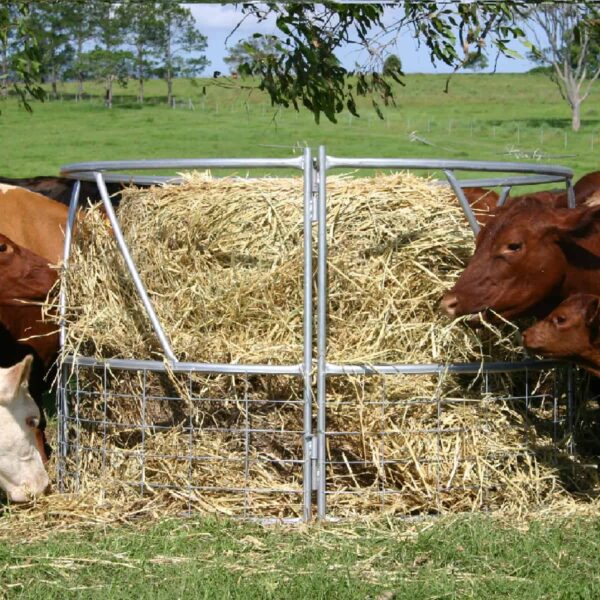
[
  {"x": 2, "y": 247},
  {"x": 514, "y": 246},
  {"x": 559, "y": 320},
  {"x": 32, "y": 422}
]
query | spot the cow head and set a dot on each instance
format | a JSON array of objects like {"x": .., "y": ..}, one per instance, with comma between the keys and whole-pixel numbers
[
  {"x": 570, "y": 330},
  {"x": 22, "y": 457},
  {"x": 24, "y": 274},
  {"x": 519, "y": 260}
]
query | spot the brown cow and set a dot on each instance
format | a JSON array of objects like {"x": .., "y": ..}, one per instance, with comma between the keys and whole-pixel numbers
[
  {"x": 527, "y": 259},
  {"x": 570, "y": 331},
  {"x": 485, "y": 202},
  {"x": 26, "y": 280},
  {"x": 33, "y": 221},
  {"x": 60, "y": 188}
]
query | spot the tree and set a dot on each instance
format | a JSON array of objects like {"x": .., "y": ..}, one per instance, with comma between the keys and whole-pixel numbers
[
  {"x": 142, "y": 31},
  {"x": 251, "y": 51},
  {"x": 308, "y": 73},
  {"x": 108, "y": 66},
  {"x": 567, "y": 38},
  {"x": 177, "y": 39},
  {"x": 476, "y": 61},
  {"x": 50, "y": 21},
  {"x": 392, "y": 66},
  {"x": 107, "y": 62},
  {"x": 81, "y": 27},
  {"x": 20, "y": 56}
]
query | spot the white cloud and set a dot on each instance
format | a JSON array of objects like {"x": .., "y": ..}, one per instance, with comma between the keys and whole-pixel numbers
[{"x": 226, "y": 17}]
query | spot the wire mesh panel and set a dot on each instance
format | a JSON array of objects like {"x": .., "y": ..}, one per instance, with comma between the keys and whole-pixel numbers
[
  {"x": 224, "y": 443},
  {"x": 465, "y": 442},
  {"x": 409, "y": 438}
]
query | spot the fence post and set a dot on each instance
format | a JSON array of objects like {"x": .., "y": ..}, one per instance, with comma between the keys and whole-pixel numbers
[{"x": 321, "y": 334}]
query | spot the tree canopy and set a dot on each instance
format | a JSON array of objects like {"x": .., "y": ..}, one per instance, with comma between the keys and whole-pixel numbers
[{"x": 299, "y": 66}]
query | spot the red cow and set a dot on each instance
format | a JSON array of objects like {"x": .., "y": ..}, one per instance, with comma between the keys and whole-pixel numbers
[
  {"x": 570, "y": 331},
  {"x": 60, "y": 188},
  {"x": 26, "y": 280},
  {"x": 527, "y": 259},
  {"x": 485, "y": 202},
  {"x": 33, "y": 221}
]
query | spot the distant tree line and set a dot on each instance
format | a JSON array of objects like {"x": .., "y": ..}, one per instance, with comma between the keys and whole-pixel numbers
[{"x": 109, "y": 42}]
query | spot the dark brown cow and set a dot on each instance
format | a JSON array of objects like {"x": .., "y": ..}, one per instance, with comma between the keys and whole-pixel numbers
[
  {"x": 527, "y": 259},
  {"x": 26, "y": 280},
  {"x": 485, "y": 202},
  {"x": 482, "y": 201},
  {"x": 570, "y": 331},
  {"x": 60, "y": 188}
]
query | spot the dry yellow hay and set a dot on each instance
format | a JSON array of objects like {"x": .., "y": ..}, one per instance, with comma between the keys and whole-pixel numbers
[{"x": 222, "y": 261}]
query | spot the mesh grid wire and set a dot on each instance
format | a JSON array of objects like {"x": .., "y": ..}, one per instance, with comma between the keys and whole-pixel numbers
[
  {"x": 213, "y": 442},
  {"x": 416, "y": 454},
  {"x": 235, "y": 444}
]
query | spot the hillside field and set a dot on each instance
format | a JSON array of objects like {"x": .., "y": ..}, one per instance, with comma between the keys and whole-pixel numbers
[{"x": 484, "y": 117}]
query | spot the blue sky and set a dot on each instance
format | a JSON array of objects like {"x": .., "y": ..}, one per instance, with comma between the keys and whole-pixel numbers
[{"x": 216, "y": 21}]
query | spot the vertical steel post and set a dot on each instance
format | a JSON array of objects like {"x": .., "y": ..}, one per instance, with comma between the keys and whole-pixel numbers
[
  {"x": 139, "y": 286},
  {"x": 504, "y": 195},
  {"x": 308, "y": 327},
  {"x": 321, "y": 332},
  {"x": 570, "y": 193},
  {"x": 62, "y": 401},
  {"x": 463, "y": 201},
  {"x": 571, "y": 407}
]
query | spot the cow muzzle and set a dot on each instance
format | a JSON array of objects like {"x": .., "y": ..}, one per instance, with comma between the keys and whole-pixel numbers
[{"x": 449, "y": 304}]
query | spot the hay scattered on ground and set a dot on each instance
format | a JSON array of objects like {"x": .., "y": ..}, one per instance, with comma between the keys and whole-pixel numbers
[{"x": 222, "y": 261}]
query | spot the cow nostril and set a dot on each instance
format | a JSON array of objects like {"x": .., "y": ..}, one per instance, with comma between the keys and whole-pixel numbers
[
  {"x": 449, "y": 304},
  {"x": 47, "y": 489}
]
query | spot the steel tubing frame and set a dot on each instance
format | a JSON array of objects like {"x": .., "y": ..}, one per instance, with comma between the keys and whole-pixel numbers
[{"x": 314, "y": 211}]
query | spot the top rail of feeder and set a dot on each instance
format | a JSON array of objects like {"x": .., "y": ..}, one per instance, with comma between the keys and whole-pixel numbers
[
  {"x": 77, "y": 169},
  {"x": 455, "y": 165}
]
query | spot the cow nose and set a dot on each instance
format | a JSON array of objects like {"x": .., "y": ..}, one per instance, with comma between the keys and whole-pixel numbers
[{"x": 449, "y": 304}]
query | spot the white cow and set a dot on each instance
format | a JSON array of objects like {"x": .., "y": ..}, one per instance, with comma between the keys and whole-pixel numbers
[{"x": 22, "y": 471}]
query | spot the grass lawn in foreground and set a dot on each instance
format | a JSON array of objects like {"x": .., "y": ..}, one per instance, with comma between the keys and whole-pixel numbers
[{"x": 466, "y": 557}]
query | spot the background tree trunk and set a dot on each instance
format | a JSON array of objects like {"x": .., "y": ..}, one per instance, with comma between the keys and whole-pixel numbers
[{"x": 576, "y": 117}]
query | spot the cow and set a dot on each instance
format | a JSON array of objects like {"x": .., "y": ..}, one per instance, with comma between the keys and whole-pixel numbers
[
  {"x": 485, "y": 202},
  {"x": 33, "y": 221},
  {"x": 26, "y": 280},
  {"x": 60, "y": 188},
  {"x": 570, "y": 331},
  {"x": 22, "y": 456},
  {"x": 527, "y": 259}
]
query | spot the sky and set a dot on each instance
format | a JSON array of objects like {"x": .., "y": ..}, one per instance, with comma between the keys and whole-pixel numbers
[{"x": 217, "y": 21}]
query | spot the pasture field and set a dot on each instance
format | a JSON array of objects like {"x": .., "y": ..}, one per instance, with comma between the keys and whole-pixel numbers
[
  {"x": 486, "y": 117},
  {"x": 476, "y": 557}
]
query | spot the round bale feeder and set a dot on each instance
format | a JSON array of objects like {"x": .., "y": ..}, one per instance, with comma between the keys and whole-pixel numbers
[{"x": 271, "y": 348}]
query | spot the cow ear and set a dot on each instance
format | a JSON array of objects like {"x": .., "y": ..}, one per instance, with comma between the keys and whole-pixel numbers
[
  {"x": 570, "y": 220},
  {"x": 592, "y": 313},
  {"x": 11, "y": 379}
]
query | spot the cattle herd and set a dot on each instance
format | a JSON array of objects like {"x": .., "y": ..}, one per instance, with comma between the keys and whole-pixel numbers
[{"x": 533, "y": 257}]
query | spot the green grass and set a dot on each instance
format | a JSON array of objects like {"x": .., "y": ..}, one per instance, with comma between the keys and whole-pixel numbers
[
  {"x": 482, "y": 117},
  {"x": 476, "y": 557}
]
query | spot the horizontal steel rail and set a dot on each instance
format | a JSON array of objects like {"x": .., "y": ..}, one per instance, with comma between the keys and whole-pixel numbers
[
  {"x": 515, "y": 180},
  {"x": 124, "y": 178},
  {"x": 433, "y": 369},
  {"x": 187, "y": 163},
  {"x": 183, "y": 367},
  {"x": 333, "y": 162}
]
